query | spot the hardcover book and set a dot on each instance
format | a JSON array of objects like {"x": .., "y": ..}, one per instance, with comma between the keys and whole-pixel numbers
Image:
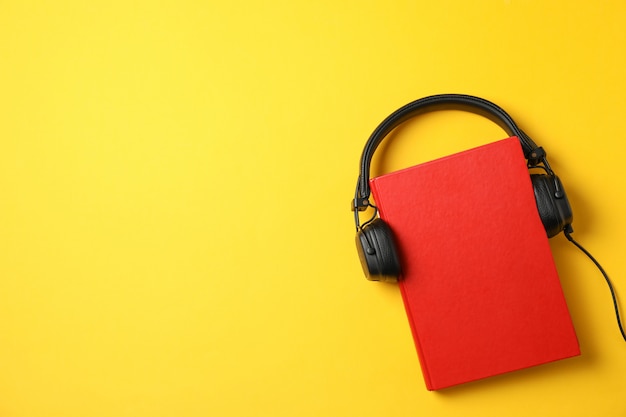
[{"x": 479, "y": 283}]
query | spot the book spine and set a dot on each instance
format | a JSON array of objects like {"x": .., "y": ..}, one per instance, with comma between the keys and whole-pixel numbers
[{"x": 416, "y": 340}]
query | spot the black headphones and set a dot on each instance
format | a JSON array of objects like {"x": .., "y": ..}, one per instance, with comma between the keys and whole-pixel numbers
[{"x": 374, "y": 238}]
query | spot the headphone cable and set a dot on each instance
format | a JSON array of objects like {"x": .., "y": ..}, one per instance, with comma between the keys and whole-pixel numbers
[{"x": 567, "y": 231}]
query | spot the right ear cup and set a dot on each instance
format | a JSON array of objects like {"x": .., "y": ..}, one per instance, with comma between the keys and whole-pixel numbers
[
  {"x": 554, "y": 208},
  {"x": 377, "y": 252}
]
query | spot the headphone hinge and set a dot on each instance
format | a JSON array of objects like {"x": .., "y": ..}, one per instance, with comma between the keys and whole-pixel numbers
[
  {"x": 360, "y": 204},
  {"x": 536, "y": 156}
]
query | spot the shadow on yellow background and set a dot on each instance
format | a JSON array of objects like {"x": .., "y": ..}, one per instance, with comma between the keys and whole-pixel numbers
[{"x": 175, "y": 237}]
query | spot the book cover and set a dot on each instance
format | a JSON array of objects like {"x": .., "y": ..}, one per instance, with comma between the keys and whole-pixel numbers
[{"x": 479, "y": 283}]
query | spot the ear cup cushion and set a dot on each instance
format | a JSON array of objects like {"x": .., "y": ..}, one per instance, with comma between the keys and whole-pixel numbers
[
  {"x": 555, "y": 212},
  {"x": 378, "y": 253}
]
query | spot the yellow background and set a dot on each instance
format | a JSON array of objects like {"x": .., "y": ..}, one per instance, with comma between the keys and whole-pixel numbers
[{"x": 175, "y": 177}]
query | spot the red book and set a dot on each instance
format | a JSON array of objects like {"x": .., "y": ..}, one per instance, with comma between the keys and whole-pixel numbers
[{"x": 479, "y": 283}]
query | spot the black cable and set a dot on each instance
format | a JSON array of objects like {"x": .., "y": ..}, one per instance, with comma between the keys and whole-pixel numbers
[{"x": 568, "y": 230}]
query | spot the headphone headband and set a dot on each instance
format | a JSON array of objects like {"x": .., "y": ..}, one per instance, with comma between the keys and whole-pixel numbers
[{"x": 463, "y": 102}]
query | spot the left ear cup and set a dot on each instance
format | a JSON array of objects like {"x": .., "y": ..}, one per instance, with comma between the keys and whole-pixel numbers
[
  {"x": 554, "y": 208},
  {"x": 377, "y": 252}
]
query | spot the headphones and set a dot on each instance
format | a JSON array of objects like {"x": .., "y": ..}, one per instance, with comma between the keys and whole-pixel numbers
[{"x": 374, "y": 238}]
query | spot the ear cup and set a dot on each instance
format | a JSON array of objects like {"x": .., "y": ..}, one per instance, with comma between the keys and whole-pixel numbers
[
  {"x": 554, "y": 208},
  {"x": 377, "y": 252}
]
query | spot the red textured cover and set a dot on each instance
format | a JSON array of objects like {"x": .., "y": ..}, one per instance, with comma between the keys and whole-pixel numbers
[{"x": 479, "y": 284}]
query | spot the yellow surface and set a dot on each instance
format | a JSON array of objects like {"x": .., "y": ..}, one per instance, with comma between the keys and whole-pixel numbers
[{"x": 175, "y": 238}]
